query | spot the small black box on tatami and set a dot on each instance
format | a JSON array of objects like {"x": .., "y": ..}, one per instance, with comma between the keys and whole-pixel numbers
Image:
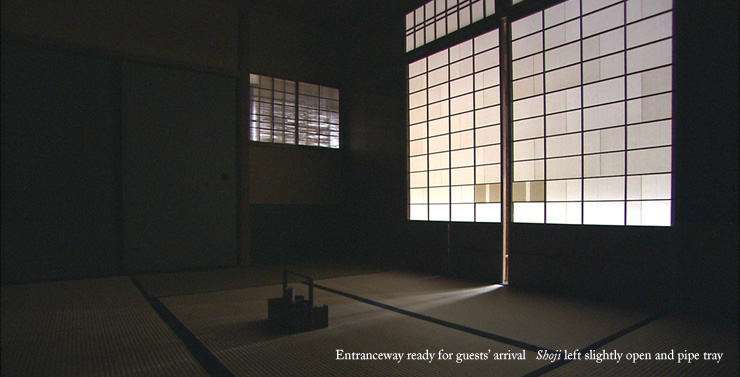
[{"x": 295, "y": 313}]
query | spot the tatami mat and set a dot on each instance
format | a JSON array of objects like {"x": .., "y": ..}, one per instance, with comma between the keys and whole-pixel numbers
[
  {"x": 232, "y": 325},
  {"x": 677, "y": 333},
  {"x": 191, "y": 282},
  {"x": 545, "y": 321},
  {"x": 96, "y": 327},
  {"x": 106, "y": 327}
]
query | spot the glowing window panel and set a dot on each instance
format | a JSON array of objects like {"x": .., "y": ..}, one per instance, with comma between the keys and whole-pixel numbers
[
  {"x": 291, "y": 112},
  {"x": 438, "y": 18},
  {"x": 454, "y": 133},
  {"x": 592, "y": 113}
]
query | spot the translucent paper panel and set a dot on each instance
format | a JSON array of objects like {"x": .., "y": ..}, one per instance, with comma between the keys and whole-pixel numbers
[
  {"x": 602, "y": 20},
  {"x": 526, "y": 26},
  {"x": 486, "y": 41},
  {"x": 603, "y": 116},
  {"x": 650, "y": 56},
  {"x": 603, "y": 140},
  {"x": 488, "y": 212},
  {"x": 603, "y": 44},
  {"x": 649, "y": 30},
  {"x": 528, "y": 87},
  {"x": 529, "y": 149},
  {"x": 418, "y": 196},
  {"x": 650, "y": 82},
  {"x": 563, "y": 100},
  {"x": 277, "y": 105},
  {"x": 527, "y": 66},
  {"x": 439, "y": 161},
  {"x": 454, "y": 102},
  {"x": 563, "y": 34},
  {"x": 532, "y": 191},
  {"x": 461, "y": 140},
  {"x": 653, "y": 134},
  {"x": 563, "y": 78},
  {"x": 564, "y": 190},
  {"x": 529, "y": 107},
  {"x": 529, "y": 128},
  {"x": 603, "y": 165},
  {"x": 463, "y": 212},
  {"x": 639, "y": 9},
  {"x": 488, "y": 155},
  {"x": 487, "y": 116},
  {"x": 461, "y": 158},
  {"x": 603, "y": 189},
  {"x": 418, "y": 163},
  {"x": 592, "y": 108},
  {"x": 655, "y": 160},
  {"x": 603, "y": 68},
  {"x": 488, "y": 174},
  {"x": 563, "y": 56},
  {"x": 526, "y": 46},
  {"x": 488, "y": 193},
  {"x": 656, "y": 213},
  {"x": 563, "y": 213},
  {"x": 603, "y": 213},
  {"x": 439, "y": 212},
  {"x": 568, "y": 167},
  {"x": 656, "y": 186},
  {"x": 649, "y": 108},
  {"x": 529, "y": 212},
  {"x": 417, "y": 180},
  {"x": 603, "y": 92},
  {"x": 565, "y": 145},
  {"x": 419, "y": 212},
  {"x": 437, "y": 18},
  {"x": 461, "y": 122},
  {"x": 562, "y": 12},
  {"x": 529, "y": 170},
  {"x": 463, "y": 176},
  {"x": 461, "y": 51},
  {"x": 462, "y": 194}
]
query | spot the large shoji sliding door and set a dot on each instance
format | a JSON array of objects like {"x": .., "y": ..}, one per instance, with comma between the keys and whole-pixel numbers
[
  {"x": 592, "y": 113},
  {"x": 591, "y": 105},
  {"x": 454, "y": 133}
]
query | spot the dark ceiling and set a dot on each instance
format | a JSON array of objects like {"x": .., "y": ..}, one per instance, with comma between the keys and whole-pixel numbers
[{"x": 343, "y": 14}]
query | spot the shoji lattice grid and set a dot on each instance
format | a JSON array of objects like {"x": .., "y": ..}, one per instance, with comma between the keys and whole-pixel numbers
[
  {"x": 290, "y": 112},
  {"x": 454, "y": 133},
  {"x": 438, "y": 18},
  {"x": 592, "y": 113}
]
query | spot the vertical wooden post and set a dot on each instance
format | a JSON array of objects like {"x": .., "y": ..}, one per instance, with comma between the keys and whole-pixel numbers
[
  {"x": 506, "y": 126},
  {"x": 242, "y": 124}
]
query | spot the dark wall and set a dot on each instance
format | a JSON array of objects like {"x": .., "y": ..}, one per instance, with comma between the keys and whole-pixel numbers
[
  {"x": 146, "y": 178},
  {"x": 119, "y": 137},
  {"x": 374, "y": 79},
  {"x": 178, "y": 169},
  {"x": 198, "y": 33},
  {"x": 706, "y": 164},
  {"x": 59, "y": 212},
  {"x": 295, "y": 192}
]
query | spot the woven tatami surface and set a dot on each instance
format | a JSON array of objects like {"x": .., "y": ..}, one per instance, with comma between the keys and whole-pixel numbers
[
  {"x": 191, "y": 282},
  {"x": 232, "y": 325},
  {"x": 674, "y": 332},
  {"x": 106, "y": 327},
  {"x": 95, "y": 327},
  {"x": 545, "y": 321}
]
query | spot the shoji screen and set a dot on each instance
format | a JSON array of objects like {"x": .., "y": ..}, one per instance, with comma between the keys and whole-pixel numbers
[
  {"x": 438, "y": 18},
  {"x": 592, "y": 113},
  {"x": 454, "y": 133}
]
